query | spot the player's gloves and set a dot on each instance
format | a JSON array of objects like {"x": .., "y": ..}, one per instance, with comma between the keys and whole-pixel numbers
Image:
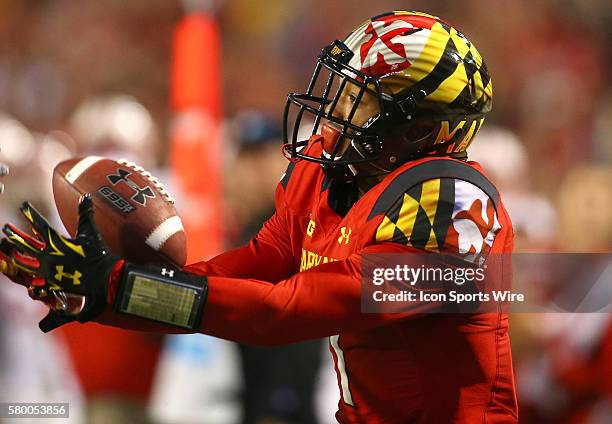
[
  {"x": 58, "y": 265},
  {"x": 58, "y": 301},
  {"x": 55, "y": 268},
  {"x": 7, "y": 265}
]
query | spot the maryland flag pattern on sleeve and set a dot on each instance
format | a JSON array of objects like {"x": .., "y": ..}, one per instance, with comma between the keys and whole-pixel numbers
[{"x": 442, "y": 215}]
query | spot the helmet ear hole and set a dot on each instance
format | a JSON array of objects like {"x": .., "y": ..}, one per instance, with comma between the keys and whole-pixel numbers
[{"x": 368, "y": 147}]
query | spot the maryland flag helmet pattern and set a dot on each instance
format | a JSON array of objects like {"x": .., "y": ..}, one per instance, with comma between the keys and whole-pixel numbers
[
  {"x": 431, "y": 83},
  {"x": 413, "y": 53}
]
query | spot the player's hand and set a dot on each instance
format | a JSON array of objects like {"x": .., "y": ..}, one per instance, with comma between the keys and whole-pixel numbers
[
  {"x": 57, "y": 301},
  {"x": 7, "y": 265},
  {"x": 58, "y": 265}
]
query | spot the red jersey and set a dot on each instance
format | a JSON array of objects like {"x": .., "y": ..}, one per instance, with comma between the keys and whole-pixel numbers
[{"x": 299, "y": 279}]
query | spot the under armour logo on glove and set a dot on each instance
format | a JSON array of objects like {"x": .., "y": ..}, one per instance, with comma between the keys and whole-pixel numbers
[
  {"x": 80, "y": 266},
  {"x": 60, "y": 274}
]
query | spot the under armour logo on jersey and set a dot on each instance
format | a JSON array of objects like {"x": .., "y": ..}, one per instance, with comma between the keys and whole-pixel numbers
[
  {"x": 141, "y": 192},
  {"x": 345, "y": 233},
  {"x": 60, "y": 275},
  {"x": 167, "y": 272},
  {"x": 385, "y": 51}
]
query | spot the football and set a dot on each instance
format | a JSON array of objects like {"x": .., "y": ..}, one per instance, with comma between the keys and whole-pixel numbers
[{"x": 132, "y": 210}]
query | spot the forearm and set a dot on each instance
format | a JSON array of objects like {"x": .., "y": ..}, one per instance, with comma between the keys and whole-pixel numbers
[
  {"x": 267, "y": 258},
  {"x": 262, "y": 313},
  {"x": 317, "y": 303},
  {"x": 258, "y": 260}
]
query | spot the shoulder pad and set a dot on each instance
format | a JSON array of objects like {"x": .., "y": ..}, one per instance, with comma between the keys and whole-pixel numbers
[
  {"x": 439, "y": 205},
  {"x": 443, "y": 168}
]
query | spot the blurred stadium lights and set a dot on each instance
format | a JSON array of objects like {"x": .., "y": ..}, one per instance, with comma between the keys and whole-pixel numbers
[
  {"x": 130, "y": 121},
  {"x": 118, "y": 120},
  {"x": 51, "y": 152},
  {"x": 500, "y": 150},
  {"x": 18, "y": 146}
]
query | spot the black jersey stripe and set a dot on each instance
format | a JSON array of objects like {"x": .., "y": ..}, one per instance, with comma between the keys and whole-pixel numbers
[
  {"x": 444, "y": 211},
  {"x": 285, "y": 180}
]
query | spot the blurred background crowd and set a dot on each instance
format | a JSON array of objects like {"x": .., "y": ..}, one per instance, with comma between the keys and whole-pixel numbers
[{"x": 94, "y": 77}]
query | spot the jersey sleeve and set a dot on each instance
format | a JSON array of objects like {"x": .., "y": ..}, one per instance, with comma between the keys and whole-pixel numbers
[
  {"x": 442, "y": 215},
  {"x": 320, "y": 302},
  {"x": 268, "y": 256}
]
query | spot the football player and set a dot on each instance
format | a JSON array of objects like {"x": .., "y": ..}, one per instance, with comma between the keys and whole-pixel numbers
[{"x": 394, "y": 108}]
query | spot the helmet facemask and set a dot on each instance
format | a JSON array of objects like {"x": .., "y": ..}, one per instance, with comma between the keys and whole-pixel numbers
[
  {"x": 345, "y": 140},
  {"x": 428, "y": 83}
]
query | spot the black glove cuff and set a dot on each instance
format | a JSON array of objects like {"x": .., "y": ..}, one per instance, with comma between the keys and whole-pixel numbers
[
  {"x": 55, "y": 319},
  {"x": 95, "y": 301}
]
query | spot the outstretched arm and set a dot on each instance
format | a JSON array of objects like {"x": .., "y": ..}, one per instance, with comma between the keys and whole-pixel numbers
[
  {"x": 269, "y": 256},
  {"x": 322, "y": 301}
]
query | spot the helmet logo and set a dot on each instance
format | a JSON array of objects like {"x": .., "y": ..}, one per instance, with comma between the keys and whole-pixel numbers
[{"x": 385, "y": 51}]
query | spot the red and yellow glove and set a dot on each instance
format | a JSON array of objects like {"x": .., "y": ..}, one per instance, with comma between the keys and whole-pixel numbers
[{"x": 55, "y": 268}]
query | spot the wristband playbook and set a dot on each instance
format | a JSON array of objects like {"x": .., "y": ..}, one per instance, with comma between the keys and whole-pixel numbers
[{"x": 162, "y": 294}]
